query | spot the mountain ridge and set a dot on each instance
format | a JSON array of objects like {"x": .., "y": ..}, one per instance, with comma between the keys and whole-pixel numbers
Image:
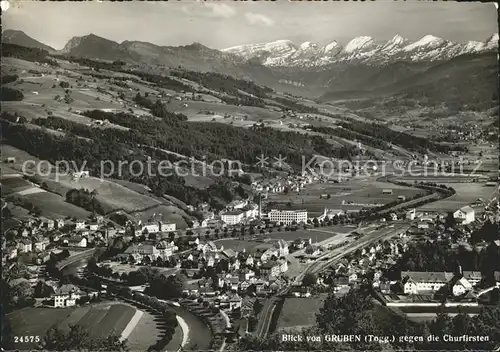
[{"x": 362, "y": 49}]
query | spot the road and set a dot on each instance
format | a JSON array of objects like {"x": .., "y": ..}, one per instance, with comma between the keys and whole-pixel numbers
[{"x": 266, "y": 314}]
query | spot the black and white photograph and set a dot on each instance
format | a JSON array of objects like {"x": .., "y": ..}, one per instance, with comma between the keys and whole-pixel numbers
[{"x": 249, "y": 176}]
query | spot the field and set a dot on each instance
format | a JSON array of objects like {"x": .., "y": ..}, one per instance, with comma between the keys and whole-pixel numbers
[
  {"x": 240, "y": 245},
  {"x": 299, "y": 313},
  {"x": 111, "y": 195},
  {"x": 55, "y": 206},
  {"x": 357, "y": 194},
  {"x": 100, "y": 320},
  {"x": 14, "y": 184},
  {"x": 194, "y": 107}
]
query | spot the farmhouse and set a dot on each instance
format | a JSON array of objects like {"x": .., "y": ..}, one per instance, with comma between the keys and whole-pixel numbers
[
  {"x": 415, "y": 282},
  {"x": 464, "y": 215},
  {"x": 387, "y": 191},
  {"x": 288, "y": 216},
  {"x": 66, "y": 296},
  {"x": 10, "y": 160},
  {"x": 80, "y": 174}
]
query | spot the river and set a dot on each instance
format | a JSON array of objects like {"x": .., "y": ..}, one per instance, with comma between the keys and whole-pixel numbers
[{"x": 72, "y": 269}]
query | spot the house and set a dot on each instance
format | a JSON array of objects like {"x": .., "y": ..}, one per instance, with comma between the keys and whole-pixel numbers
[
  {"x": 59, "y": 223},
  {"x": 25, "y": 245},
  {"x": 461, "y": 286},
  {"x": 166, "y": 249},
  {"x": 282, "y": 247},
  {"x": 48, "y": 224},
  {"x": 76, "y": 241},
  {"x": 415, "y": 282},
  {"x": 353, "y": 277},
  {"x": 387, "y": 191},
  {"x": 41, "y": 243},
  {"x": 166, "y": 227},
  {"x": 246, "y": 274},
  {"x": 11, "y": 252},
  {"x": 411, "y": 214},
  {"x": 235, "y": 302},
  {"x": 474, "y": 277},
  {"x": 191, "y": 289},
  {"x": 300, "y": 243},
  {"x": 299, "y": 291},
  {"x": 341, "y": 281},
  {"x": 10, "y": 160},
  {"x": 270, "y": 269},
  {"x": 424, "y": 225},
  {"x": 228, "y": 253},
  {"x": 66, "y": 296},
  {"x": 464, "y": 215},
  {"x": 80, "y": 224}
]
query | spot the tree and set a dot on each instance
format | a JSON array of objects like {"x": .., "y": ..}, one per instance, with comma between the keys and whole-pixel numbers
[
  {"x": 450, "y": 221},
  {"x": 43, "y": 290},
  {"x": 309, "y": 279},
  {"x": 78, "y": 339}
]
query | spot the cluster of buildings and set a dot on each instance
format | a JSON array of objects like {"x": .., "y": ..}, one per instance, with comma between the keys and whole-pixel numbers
[
  {"x": 291, "y": 183},
  {"x": 37, "y": 236},
  {"x": 260, "y": 271}
]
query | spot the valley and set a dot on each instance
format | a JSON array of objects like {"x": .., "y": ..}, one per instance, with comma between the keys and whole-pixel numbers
[{"x": 218, "y": 197}]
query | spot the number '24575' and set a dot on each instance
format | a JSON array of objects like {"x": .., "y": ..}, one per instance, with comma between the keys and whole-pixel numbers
[{"x": 26, "y": 339}]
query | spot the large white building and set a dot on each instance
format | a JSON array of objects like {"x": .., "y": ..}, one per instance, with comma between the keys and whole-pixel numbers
[
  {"x": 233, "y": 217},
  {"x": 415, "y": 282},
  {"x": 237, "y": 216},
  {"x": 464, "y": 215},
  {"x": 288, "y": 216},
  {"x": 154, "y": 227}
]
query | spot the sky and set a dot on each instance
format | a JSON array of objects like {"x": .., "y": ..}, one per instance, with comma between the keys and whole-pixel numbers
[{"x": 222, "y": 24}]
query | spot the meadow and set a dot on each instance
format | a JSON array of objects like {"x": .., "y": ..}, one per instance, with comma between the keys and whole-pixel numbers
[
  {"x": 100, "y": 320},
  {"x": 298, "y": 313}
]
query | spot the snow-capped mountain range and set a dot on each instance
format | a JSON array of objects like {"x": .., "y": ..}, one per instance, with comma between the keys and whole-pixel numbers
[{"x": 361, "y": 49}]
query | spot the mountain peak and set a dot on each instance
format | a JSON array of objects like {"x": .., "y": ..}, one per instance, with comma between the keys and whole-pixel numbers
[
  {"x": 493, "y": 39},
  {"x": 308, "y": 45},
  {"x": 17, "y": 37},
  {"x": 397, "y": 39},
  {"x": 426, "y": 41},
  {"x": 332, "y": 46},
  {"x": 358, "y": 43}
]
